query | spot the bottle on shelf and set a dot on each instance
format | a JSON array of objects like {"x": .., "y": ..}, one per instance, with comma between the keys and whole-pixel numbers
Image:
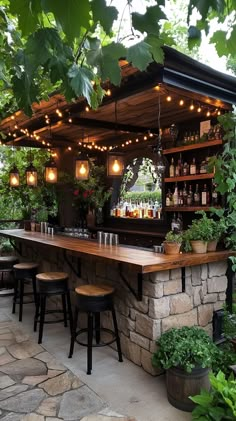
[
  {"x": 172, "y": 168},
  {"x": 173, "y": 222},
  {"x": 192, "y": 137},
  {"x": 168, "y": 198},
  {"x": 205, "y": 196},
  {"x": 179, "y": 167},
  {"x": 181, "y": 199},
  {"x": 197, "y": 137},
  {"x": 185, "y": 194},
  {"x": 179, "y": 222},
  {"x": 193, "y": 167},
  {"x": 214, "y": 195},
  {"x": 196, "y": 196},
  {"x": 176, "y": 196},
  {"x": 185, "y": 169},
  {"x": 190, "y": 196}
]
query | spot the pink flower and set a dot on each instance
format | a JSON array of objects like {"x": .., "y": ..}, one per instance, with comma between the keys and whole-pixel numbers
[{"x": 76, "y": 192}]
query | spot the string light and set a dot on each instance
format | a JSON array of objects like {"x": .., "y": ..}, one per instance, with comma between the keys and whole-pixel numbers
[
  {"x": 181, "y": 102},
  {"x": 208, "y": 113},
  {"x": 108, "y": 92},
  {"x": 70, "y": 120},
  {"x": 87, "y": 109},
  {"x": 169, "y": 98},
  {"x": 199, "y": 109},
  {"x": 191, "y": 106}
]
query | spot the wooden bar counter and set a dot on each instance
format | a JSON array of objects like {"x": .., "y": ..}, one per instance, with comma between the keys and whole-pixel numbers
[{"x": 154, "y": 292}]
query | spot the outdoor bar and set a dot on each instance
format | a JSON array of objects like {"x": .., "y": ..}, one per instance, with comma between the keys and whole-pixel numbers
[{"x": 156, "y": 136}]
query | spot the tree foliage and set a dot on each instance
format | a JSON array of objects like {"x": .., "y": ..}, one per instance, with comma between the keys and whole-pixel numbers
[{"x": 49, "y": 44}]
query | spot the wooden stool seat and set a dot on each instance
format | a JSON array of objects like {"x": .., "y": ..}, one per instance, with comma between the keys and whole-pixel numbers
[
  {"x": 52, "y": 276},
  {"x": 51, "y": 284},
  {"x": 94, "y": 290},
  {"x": 94, "y": 299},
  {"x": 7, "y": 262},
  {"x": 26, "y": 266}
]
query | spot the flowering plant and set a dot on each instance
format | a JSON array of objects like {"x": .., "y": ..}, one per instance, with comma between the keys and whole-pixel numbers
[{"x": 92, "y": 193}]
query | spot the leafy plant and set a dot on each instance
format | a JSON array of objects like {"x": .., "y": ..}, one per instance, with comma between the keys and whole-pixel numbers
[
  {"x": 219, "y": 403},
  {"x": 174, "y": 237},
  {"x": 229, "y": 322},
  {"x": 224, "y": 357},
  {"x": 186, "y": 348}
]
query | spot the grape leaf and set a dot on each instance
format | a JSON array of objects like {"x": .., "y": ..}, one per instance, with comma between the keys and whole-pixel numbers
[
  {"x": 156, "y": 48},
  {"x": 219, "y": 39},
  {"x": 27, "y": 12},
  {"x": 104, "y": 14},
  {"x": 140, "y": 55},
  {"x": 148, "y": 22},
  {"x": 71, "y": 16},
  {"x": 80, "y": 81}
]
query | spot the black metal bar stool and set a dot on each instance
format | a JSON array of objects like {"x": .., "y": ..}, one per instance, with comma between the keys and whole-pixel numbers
[
  {"x": 48, "y": 285},
  {"x": 93, "y": 299},
  {"x": 22, "y": 273},
  {"x": 6, "y": 268}
]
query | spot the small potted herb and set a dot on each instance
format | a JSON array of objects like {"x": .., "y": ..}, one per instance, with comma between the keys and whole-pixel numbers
[
  {"x": 199, "y": 233},
  {"x": 186, "y": 354},
  {"x": 172, "y": 242}
]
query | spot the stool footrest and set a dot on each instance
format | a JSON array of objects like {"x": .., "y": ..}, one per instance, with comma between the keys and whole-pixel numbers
[{"x": 102, "y": 329}]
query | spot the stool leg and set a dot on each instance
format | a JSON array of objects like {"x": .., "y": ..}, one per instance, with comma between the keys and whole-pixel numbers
[
  {"x": 36, "y": 316},
  {"x": 97, "y": 328},
  {"x": 34, "y": 289},
  {"x": 69, "y": 310},
  {"x": 21, "y": 299},
  {"x": 42, "y": 317},
  {"x": 15, "y": 296},
  {"x": 117, "y": 334},
  {"x": 90, "y": 342},
  {"x": 73, "y": 332},
  {"x": 63, "y": 298}
]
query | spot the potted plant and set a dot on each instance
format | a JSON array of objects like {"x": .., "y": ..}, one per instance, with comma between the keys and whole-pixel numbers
[
  {"x": 26, "y": 216},
  {"x": 172, "y": 242},
  {"x": 186, "y": 354},
  {"x": 41, "y": 215},
  {"x": 199, "y": 233},
  {"x": 218, "y": 228}
]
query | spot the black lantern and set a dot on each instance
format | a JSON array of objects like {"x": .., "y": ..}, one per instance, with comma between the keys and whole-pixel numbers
[
  {"x": 115, "y": 165},
  {"x": 14, "y": 177},
  {"x": 82, "y": 167},
  {"x": 51, "y": 172},
  {"x": 31, "y": 176}
]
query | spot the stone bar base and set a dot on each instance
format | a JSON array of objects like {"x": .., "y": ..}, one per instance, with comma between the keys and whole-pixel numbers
[{"x": 164, "y": 304}]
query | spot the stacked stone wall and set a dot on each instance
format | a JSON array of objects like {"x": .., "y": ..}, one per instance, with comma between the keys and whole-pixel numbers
[{"x": 164, "y": 304}]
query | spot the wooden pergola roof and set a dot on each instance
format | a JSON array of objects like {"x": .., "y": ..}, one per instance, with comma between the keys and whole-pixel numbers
[{"x": 131, "y": 110}]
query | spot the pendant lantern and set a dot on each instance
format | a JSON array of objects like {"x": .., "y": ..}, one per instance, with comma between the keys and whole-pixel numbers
[
  {"x": 31, "y": 176},
  {"x": 14, "y": 177},
  {"x": 51, "y": 172}
]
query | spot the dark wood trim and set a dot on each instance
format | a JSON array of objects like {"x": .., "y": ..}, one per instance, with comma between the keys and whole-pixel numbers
[
  {"x": 193, "y": 146},
  {"x": 189, "y": 177}
]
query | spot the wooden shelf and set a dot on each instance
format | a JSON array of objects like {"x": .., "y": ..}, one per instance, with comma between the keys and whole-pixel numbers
[
  {"x": 189, "y": 177},
  {"x": 183, "y": 148},
  {"x": 188, "y": 208}
]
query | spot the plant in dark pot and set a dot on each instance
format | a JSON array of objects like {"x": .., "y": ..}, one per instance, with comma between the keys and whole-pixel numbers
[
  {"x": 186, "y": 354},
  {"x": 172, "y": 242}
]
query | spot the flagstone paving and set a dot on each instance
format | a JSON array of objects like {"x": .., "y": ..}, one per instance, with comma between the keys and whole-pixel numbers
[{"x": 35, "y": 387}]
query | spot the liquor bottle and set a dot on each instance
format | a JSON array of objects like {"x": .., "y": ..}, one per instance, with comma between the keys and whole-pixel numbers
[
  {"x": 185, "y": 194},
  {"x": 190, "y": 196},
  {"x": 173, "y": 223},
  {"x": 193, "y": 168},
  {"x": 179, "y": 222},
  {"x": 172, "y": 168},
  {"x": 214, "y": 195},
  {"x": 192, "y": 137},
  {"x": 197, "y": 136},
  {"x": 181, "y": 199},
  {"x": 196, "y": 196},
  {"x": 179, "y": 167},
  {"x": 185, "y": 169},
  {"x": 176, "y": 196},
  {"x": 168, "y": 198},
  {"x": 205, "y": 197},
  {"x": 185, "y": 138}
]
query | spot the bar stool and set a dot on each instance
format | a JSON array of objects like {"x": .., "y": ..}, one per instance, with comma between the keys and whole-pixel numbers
[
  {"x": 22, "y": 273},
  {"x": 94, "y": 299},
  {"x": 6, "y": 267},
  {"x": 50, "y": 284}
]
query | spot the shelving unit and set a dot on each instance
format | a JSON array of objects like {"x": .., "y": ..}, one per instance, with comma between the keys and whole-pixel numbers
[
  {"x": 193, "y": 146},
  {"x": 189, "y": 178},
  {"x": 189, "y": 208}
]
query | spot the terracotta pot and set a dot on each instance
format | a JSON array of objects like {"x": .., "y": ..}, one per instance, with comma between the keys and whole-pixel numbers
[
  {"x": 199, "y": 246},
  {"x": 32, "y": 224},
  {"x": 211, "y": 245},
  {"x": 171, "y": 248},
  {"x": 37, "y": 227}
]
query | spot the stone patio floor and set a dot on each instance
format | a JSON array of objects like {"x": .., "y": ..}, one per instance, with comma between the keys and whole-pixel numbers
[{"x": 35, "y": 387}]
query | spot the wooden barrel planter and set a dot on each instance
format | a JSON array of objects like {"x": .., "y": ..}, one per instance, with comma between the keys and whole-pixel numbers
[{"x": 180, "y": 385}]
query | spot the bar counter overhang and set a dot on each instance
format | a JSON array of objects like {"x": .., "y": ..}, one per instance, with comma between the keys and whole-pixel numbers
[{"x": 154, "y": 292}]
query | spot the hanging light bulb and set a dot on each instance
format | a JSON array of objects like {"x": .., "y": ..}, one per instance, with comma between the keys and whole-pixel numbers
[
  {"x": 14, "y": 177},
  {"x": 159, "y": 159},
  {"x": 191, "y": 106},
  {"x": 31, "y": 176},
  {"x": 115, "y": 165},
  {"x": 181, "y": 102},
  {"x": 51, "y": 171},
  {"x": 82, "y": 167}
]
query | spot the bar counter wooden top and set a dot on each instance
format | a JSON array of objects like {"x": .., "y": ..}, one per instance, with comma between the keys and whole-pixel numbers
[{"x": 142, "y": 261}]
